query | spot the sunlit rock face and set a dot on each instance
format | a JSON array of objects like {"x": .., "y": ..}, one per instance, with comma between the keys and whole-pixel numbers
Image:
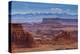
[{"x": 19, "y": 37}]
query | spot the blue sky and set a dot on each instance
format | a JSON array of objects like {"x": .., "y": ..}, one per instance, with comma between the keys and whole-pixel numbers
[{"x": 31, "y": 12}]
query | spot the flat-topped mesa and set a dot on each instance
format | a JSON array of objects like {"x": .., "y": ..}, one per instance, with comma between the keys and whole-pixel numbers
[{"x": 52, "y": 20}]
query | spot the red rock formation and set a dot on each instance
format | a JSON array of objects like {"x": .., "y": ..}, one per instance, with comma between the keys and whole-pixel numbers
[
  {"x": 65, "y": 37},
  {"x": 21, "y": 38}
]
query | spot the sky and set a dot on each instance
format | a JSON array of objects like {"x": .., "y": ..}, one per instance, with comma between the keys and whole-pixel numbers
[{"x": 35, "y": 12}]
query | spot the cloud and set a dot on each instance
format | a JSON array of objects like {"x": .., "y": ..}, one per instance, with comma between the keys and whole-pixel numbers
[
  {"x": 71, "y": 12},
  {"x": 61, "y": 11},
  {"x": 50, "y": 10},
  {"x": 57, "y": 10}
]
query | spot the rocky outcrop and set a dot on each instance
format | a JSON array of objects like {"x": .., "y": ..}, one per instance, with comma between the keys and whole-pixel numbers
[{"x": 21, "y": 38}]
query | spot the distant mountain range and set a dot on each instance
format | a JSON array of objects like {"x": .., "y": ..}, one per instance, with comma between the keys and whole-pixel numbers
[
  {"x": 21, "y": 18},
  {"x": 60, "y": 19},
  {"x": 44, "y": 14}
]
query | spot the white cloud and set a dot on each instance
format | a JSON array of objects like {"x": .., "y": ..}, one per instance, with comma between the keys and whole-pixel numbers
[
  {"x": 57, "y": 10},
  {"x": 61, "y": 11},
  {"x": 51, "y": 10},
  {"x": 70, "y": 12}
]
